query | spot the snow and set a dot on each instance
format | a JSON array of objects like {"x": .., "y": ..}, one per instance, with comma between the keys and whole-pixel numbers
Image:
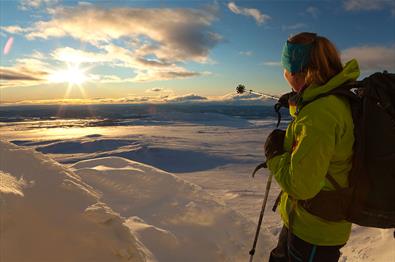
[
  {"x": 112, "y": 209},
  {"x": 177, "y": 190},
  {"x": 173, "y": 218},
  {"x": 169, "y": 159},
  {"x": 10, "y": 185},
  {"x": 49, "y": 214}
]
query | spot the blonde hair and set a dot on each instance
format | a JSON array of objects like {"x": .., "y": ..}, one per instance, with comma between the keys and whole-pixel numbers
[{"x": 324, "y": 60}]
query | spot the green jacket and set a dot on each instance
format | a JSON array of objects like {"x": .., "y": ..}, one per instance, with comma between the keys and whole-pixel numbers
[{"x": 318, "y": 141}]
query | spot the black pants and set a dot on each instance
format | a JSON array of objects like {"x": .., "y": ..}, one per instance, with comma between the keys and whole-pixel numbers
[{"x": 290, "y": 248}]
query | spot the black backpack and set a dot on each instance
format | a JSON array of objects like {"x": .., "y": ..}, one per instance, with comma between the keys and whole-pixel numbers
[
  {"x": 372, "y": 178},
  {"x": 370, "y": 198}
]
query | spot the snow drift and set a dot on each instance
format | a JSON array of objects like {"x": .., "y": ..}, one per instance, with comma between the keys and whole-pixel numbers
[
  {"x": 112, "y": 209},
  {"x": 49, "y": 214},
  {"x": 173, "y": 218}
]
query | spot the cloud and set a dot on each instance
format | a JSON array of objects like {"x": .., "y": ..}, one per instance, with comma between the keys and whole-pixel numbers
[
  {"x": 26, "y": 72},
  {"x": 246, "y": 53},
  {"x": 294, "y": 26},
  {"x": 154, "y": 43},
  {"x": 313, "y": 11},
  {"x": 163, "y": 92},
  {"x": 372, "y": 58},
  {"x": 13, "y": 29},
  {"x": 144, "y": 70},
  {"x": 169, "y": 34},
  {"x": 155, "y": 89},
  {"x": 71, "y": 55},
  {"x": 367, "y": 5},
  {"x": 272, "y": 63},
  {"x": 186, "y": 98},
  {"x": 12, "y": 74},
  {"x": 254, "y": 13},
  {"x": 229, "y": 99},
  {"x": 167, "y": 74},
  {"x": 244, "y": 99},
  {"x": 26, "y": 4},
  {"x": 84, "y": 3}
]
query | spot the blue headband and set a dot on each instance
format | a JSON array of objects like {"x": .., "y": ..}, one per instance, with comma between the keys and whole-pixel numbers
[{"x": 295, "y": 57}]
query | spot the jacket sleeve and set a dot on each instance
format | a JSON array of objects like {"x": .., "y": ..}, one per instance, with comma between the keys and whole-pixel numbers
[{"x": 301, "y": 172}]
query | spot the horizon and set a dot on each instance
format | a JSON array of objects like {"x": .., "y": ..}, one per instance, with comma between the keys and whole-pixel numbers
[{"x": 61, "y": 52}]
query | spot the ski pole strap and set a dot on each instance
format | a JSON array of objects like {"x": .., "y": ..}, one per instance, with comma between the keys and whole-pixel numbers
[
  {"x": 274, "y": 208},
  {"x": 277, "y": 107},
  {"x": 260, "y": 166}
]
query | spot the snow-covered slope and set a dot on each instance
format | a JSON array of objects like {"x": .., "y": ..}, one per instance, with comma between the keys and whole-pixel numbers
[
  {"x": 112, "y": 209},
  {"x": 49, "y": 214},
  {"x": 174, "y": 219}
]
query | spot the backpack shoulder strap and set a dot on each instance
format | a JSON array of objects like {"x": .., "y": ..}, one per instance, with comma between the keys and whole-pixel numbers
[
  {"x": 333, "y": 181},
  {"x": 344, "y": 90}
]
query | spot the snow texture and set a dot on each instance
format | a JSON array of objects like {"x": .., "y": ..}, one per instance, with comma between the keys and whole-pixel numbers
[
  {"x": 49, "y": 214},
  {"x": 176, "y": 190}
]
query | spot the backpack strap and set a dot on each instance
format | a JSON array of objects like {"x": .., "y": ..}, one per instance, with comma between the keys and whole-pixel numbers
[
  {"x": 342, "y": 90},
  {"x": 333, "y": 182}
]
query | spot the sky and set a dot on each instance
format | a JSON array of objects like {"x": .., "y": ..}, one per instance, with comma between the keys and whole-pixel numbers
[{"x": 152, "y": 51}]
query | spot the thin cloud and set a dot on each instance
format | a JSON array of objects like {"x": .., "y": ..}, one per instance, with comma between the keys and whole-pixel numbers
[
  {"x": 252, "y": 12},
  {"x": 27, "y": 4},
  {"x": 272, "y": 63},
  {"x": 84, "y": 3},
  {"x": 155, "y": 75},
  {"x": 294, "y": 26},
  {"x": 313, "y": 11},
  {"x": 164, "y": 92},
  {"x": 367, "y": 5},
  {"x": 9, "y": 74},
  {"x": 372, "y": 58},
  {"x": 13, "y": 29},
  {"x": 246, "y": 53},
  {"x": 71, "y": 55},
  {"x": 21, "y": 76},
  {"x": 157, "y": 89},
  {"x": 26, "y": 71}
]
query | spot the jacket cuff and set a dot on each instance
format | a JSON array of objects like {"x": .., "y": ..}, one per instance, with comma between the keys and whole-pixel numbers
[{"x": 275, "y": 163}]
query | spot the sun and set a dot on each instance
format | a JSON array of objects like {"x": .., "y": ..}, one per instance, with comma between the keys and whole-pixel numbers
[{"x": 73, "y": 74}]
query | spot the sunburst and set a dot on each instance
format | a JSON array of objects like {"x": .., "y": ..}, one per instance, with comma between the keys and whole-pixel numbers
[{"x": 73, "y": 74}]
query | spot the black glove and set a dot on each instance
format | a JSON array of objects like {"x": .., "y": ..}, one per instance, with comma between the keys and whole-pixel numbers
[
  {"x": 274, "y": 143},
  {"x": 283, "y": 100}
]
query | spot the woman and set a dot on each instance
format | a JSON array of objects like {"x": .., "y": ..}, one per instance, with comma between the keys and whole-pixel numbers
[{"x": 316, "y": 148}]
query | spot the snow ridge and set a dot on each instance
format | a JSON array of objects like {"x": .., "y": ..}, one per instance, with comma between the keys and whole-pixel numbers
[{"x": 49, "y": 214}]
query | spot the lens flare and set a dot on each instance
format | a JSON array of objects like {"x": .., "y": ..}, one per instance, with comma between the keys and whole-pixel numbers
[{"x": 8, "y": 45}]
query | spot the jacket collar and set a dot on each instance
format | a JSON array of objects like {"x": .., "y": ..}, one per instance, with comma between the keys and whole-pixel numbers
[{"x": 350, "y": 72}]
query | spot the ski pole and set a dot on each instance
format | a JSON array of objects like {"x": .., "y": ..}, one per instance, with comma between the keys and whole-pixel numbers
[
  {"x": 240, "y": 89},
  {"x": 268, "y": 184}
]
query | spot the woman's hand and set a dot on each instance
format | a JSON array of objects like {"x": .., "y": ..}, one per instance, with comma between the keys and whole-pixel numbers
[
  {"x": 284, "y": 99},
  {"x": 274, "y": 143}
]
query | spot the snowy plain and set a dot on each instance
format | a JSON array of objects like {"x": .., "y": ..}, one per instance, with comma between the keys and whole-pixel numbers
[{"x": 175, "y": 186}]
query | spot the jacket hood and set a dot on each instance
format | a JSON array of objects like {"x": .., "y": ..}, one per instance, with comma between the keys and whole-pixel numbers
[{"x": 350, "y": 72}]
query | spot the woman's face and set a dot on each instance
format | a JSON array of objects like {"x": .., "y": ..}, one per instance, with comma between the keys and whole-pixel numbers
[{"x": 295, "y": 81}]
